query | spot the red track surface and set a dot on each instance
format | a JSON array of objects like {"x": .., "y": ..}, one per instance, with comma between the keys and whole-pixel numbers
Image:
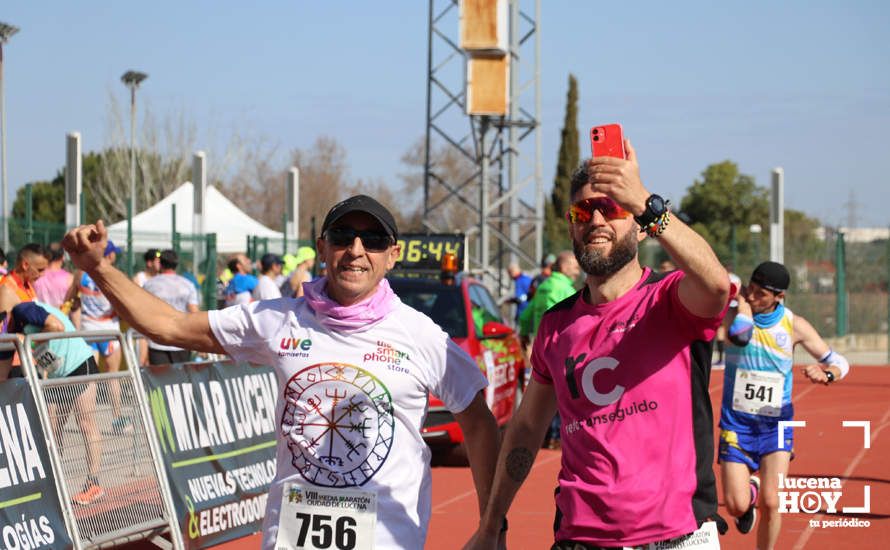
[{"x": 824, "y": 449}]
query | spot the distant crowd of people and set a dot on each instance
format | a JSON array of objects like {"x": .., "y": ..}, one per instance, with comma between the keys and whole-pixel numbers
[{"x": 41, "y": 275}]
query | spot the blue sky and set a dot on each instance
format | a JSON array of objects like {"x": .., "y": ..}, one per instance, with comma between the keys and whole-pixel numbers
[{"x": 804, "y": 84}]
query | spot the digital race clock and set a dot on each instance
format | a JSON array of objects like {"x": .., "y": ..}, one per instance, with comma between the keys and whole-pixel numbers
[{"x": 424, "y": 252}]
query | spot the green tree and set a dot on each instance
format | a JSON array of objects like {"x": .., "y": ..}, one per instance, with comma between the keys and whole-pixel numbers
[
  {"x": 556, "y": 237},
  {"x": 105, "y": 187},
  {"x": 724, "y": 202},
  {"x": 801, "y": 242},
  {"x": 47, "y": 200}
]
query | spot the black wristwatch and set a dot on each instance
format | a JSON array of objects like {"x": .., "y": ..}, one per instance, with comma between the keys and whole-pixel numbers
[
  {"x": 829, "y": 375},
  {"x": 655, "y": 208}
]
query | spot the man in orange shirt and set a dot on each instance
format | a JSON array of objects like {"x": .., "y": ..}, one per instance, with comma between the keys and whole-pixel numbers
[{"x": 29, "y": 266}]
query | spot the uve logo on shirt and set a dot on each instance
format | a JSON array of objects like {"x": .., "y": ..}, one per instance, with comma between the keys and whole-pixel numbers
[{"x": 294, "y": 347}]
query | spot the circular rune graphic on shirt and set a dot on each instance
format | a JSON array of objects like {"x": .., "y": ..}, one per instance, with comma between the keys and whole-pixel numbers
[{"x": 338, "y": 424}]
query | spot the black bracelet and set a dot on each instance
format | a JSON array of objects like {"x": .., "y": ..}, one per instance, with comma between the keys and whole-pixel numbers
[{"x": 504, "y": 526}]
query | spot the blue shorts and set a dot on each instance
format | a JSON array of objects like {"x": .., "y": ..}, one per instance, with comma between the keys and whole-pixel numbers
[
  {"x": 106, "y": 348},
  {"x": 748, "y": 449}
]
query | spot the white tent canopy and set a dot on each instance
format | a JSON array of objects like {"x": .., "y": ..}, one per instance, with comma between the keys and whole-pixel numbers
[{"x": 152, "y": 227}]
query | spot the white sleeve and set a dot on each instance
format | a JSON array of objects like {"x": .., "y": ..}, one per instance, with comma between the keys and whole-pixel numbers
[
  {"x": 235, "y": 328},
  {"x": 461, "y": 379},
  {"x": 193, "y": 294}
]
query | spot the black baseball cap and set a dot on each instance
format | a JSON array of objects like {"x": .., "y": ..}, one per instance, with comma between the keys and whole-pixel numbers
[
  {"x": 771, "y": 276},
  {"x": 362, "y": 203}
]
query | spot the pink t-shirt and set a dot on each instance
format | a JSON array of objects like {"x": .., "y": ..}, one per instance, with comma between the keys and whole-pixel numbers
[
  {"x": 622, "y": 372},
  {"x": 52, "y": 286}
]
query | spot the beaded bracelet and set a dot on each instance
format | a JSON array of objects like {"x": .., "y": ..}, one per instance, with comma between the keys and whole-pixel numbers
[{"x": 657, "y": 227}]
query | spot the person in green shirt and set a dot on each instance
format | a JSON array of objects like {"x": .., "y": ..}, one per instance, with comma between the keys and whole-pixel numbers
[{"x": 555, "y": 288}]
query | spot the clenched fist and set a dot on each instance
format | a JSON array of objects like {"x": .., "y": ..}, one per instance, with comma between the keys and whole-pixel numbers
[{"x": 86, "y": 245}]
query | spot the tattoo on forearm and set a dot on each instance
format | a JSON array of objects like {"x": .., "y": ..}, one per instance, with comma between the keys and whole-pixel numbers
[{"x": 519, "y": 463}]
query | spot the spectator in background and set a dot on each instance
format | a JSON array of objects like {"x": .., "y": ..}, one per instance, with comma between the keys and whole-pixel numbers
[
  {"x": 243, "y": 282},
  {"x": 29, "y": 266},
  {"x": 4, "y": 263},
  {"x": 180, "y": 293},
  {"x": 97, "y": 313},
  {"x": 266, "y": 289},
  {"x": 152, "y": 259},
  {"x": 300, "y": 272},
  {"x": 64, "y": 357},
  {"x": 546, "y": 270},
  {"x": 521, "y": 284},
  {"x": 554, "y": 289},
  {"x": 53, "y": 285}
]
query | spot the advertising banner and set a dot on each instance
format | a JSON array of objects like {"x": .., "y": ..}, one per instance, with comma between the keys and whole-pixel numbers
[
  {"x": 216, "y": 426},
  {"x": 30, "y": 512}
]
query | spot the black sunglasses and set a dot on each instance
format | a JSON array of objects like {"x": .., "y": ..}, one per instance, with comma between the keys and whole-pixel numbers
[{"x": 371, "y": 240}]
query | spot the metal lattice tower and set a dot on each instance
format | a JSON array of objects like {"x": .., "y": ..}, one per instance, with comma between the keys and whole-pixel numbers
[{"x": 501, "y": 192}]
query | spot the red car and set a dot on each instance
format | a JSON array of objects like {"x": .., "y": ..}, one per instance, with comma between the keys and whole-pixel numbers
[{"x": 469, "y": 314}]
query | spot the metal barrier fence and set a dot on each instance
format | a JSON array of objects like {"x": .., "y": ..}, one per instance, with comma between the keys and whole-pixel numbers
[
  {"x": 77, "y": 417},
  {"x": 257, "y": 246}
]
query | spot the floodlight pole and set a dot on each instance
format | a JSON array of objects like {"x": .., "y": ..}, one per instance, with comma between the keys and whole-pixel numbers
[
  {"x": 6, "y": 32},
  {"x": 132, "y": 79}
]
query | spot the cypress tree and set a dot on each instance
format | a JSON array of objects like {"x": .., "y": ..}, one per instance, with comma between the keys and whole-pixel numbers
[{"x": 556, "y": 235}]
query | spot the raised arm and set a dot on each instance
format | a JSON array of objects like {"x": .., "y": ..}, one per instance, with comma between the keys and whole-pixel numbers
[
  {"x": 705, "y": 288},
  {"x": 829, "y": 361},
  {"x": 704, "y": 291},
  {"x": 148, "y": 314},
  {"x": 518, "y": 450}
]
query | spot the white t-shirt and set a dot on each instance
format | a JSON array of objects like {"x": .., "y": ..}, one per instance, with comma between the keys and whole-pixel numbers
[
  {"x": 266, "y": 289},
  {"x": 177, "y": 291},
  {"x": 374, "y": 384}
]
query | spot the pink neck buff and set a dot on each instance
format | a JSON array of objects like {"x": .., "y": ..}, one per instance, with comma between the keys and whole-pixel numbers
[{"x": 349, "y": 318}]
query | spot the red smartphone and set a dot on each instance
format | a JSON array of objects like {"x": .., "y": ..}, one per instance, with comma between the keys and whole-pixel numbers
[{"x": 607, "y": 141}]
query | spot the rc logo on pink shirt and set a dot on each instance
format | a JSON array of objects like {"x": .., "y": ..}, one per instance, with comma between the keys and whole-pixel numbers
[
  {"x": 588, "y": 371},
  {"x": 590, "y": 392}
]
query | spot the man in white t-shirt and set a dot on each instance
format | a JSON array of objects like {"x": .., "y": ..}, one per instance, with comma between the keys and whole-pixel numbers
[
  {"x": 180, "y": 293},
  {"x": 355, "y": 367},
  {"x": 266, "y": 289}
]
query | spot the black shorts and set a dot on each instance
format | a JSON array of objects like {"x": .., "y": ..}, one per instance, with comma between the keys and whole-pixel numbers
[
  {"x": 87, "y": 367},
  {"x": 168, "y": 357}
]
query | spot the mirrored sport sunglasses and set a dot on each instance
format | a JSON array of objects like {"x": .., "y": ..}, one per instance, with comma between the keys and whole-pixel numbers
[
  {"x": 375, "y": 241},
  {"x": 582, "y": 211}
]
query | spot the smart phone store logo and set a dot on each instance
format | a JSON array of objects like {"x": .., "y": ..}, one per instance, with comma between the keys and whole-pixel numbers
[{"x": 822, "y": 495}]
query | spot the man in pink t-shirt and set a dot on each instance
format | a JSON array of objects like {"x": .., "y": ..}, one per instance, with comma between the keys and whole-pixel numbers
[
  {"x": 626, "y": 362},
  {"x": 53, "y": 285}
]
